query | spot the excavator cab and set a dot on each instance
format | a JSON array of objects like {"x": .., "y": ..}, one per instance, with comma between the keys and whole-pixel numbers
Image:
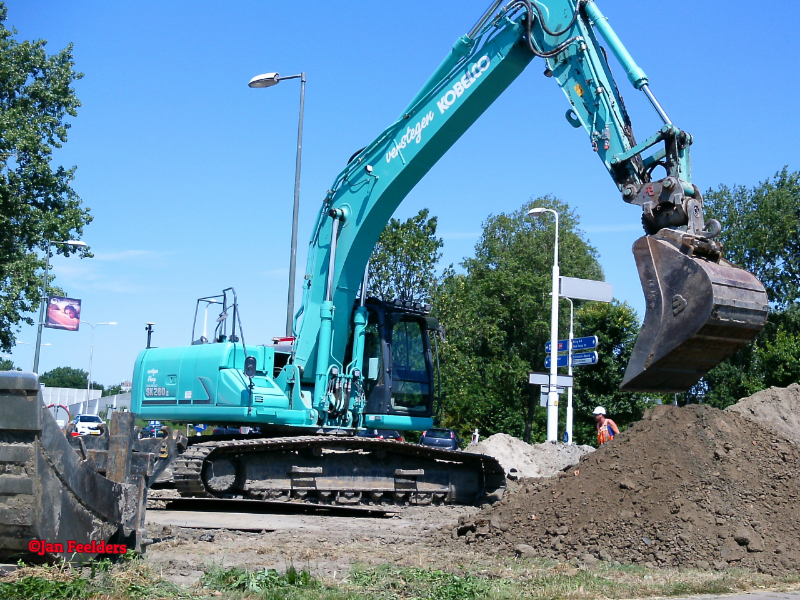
[{"x": 398, "y": 365}]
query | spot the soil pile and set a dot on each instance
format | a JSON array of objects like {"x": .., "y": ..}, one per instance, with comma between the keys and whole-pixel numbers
[
  {"x": 519, "y": 459},
  {"x": 778, "y": 408},
  {"x": 691, "y": 486}
]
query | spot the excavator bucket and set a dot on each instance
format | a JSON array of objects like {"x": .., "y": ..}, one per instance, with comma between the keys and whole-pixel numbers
[
  {"x": 71, "y": 497},
  {"x": 700, "y": 310}
]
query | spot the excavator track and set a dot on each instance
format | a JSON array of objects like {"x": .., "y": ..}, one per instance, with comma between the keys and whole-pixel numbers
[{"x": 335, "y": 470}]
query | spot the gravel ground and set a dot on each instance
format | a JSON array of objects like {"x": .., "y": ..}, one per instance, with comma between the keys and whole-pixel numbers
[{"x": 327, "y": 546}]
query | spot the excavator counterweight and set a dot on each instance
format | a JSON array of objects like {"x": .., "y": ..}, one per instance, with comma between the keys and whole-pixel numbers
[{"x": 700, "y": 309}]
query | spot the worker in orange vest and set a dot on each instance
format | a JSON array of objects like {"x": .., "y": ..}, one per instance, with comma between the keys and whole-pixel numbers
[{"x": 606, "y": 428}]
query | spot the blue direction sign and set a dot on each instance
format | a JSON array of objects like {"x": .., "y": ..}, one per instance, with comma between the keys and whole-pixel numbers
[
  {"x": 581, "y": 343},
  {"x": 562, "y": 361},
  {"x": 579, "y": 359},
  {"x": 584, "y": 343},
  {"x": 562, "y": 346},
  {"x": 200, "y": 427}
]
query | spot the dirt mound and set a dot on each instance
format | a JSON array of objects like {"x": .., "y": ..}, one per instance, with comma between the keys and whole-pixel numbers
[
  {"x": 778, "y": 408},
  {"x": 685, "y": 486},
  {"x": 525, "y": 460}
]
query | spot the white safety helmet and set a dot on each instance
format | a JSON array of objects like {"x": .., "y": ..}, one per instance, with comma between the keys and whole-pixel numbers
[{"x": 599, "y": 411}]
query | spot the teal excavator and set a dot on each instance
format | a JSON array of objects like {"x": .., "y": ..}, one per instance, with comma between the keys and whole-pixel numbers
[{"x": 357, "y": 363}]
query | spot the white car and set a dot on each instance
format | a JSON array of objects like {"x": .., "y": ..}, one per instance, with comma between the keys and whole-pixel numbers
[{"x": 87, "y": 425}]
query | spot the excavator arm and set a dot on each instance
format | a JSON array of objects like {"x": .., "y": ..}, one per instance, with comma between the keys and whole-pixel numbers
[{"x": 700, "y": 309}]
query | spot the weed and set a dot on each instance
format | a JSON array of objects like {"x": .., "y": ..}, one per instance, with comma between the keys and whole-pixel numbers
[
  {"x": 245, "y": 580},
  {"x": 40, "y": 587},
  {"x": 389, "y": 582}
]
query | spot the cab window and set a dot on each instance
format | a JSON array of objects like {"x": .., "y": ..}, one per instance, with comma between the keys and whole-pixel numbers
[
  {"x": 410, "y": 382},
  {"x": 372, "y": 353}
]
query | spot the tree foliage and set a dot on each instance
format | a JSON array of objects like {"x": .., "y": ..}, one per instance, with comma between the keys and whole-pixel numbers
[
  {"x": 761, "y": 231},
  {"x": 497, "y": 319},
  {"x": 7, "y": 365},
  {"x": 113, "y": 390},
  {"x": 403, "y": 263},
  {"x": 37, "y": 202},
  {"x": 772, "y": 359},
  {"x": 67, "y": 377}
]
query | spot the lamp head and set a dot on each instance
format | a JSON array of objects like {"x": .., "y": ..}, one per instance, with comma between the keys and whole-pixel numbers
[
  {"x": 77, "y": 243},
  {"x": 264, "y": 80}
]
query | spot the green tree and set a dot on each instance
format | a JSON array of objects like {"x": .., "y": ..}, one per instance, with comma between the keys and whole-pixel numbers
[
  {"x": 761, "y": 231},
  {"x": 37, "y": 202},
  {"x": 68, "y": 377},
  {"x": 760, "y": 228},
  {"x": 7, "y": 365},
  {"x": 113, "y": 390},
  {"x": 616, "y": 327},
  {"x": 403, "y": 263},
  {"x": 497, "y": 319},
  {"x": 772, "y": 359}
]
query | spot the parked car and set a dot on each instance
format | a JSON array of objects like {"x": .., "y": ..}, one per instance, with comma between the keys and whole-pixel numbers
[
  {"x": 152, "y": 431},
  {"x": 229, "y": 430},
  {"x": 440, "y": 438},
  {"x": 225, "y": 430},
  {"x": 87, "y": 425},
  {"x": 381, "y": 434}
]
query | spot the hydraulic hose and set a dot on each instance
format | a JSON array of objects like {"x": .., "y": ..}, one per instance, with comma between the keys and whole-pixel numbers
[
  {"x": 529, "y": 8},
  {"x": 563, "y": 31}
]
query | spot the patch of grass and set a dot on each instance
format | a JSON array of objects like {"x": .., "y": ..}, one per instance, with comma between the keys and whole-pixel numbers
[
  {"x": 245, "y": 580},
  {"x": 538, "y": 579},
  {"x": 129, "y": 579},
  {"x": 431, "y": 584},
  {"x": 542, "y": 579},
  {"x": 33, "y": 586}
]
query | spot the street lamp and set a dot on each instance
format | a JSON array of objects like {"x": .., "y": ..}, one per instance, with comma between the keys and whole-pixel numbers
[
  {"x": 91, "y": 356},
  {"x": 74, "y": 244},
  {"x": 31, "y": 345},
  {"x": 264, "y": 81},
  {"x": 552, "y": 396},
  {"x": 569, "y": 372}
]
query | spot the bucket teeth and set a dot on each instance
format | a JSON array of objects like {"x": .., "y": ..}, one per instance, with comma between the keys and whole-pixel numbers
[{"x": 698, "y": 312}]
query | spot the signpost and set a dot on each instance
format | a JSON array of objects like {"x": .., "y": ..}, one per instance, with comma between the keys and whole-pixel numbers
[
  {"x": 544, "y": 379},
  {"x": 581, "y": 343},
  {"x": 585, "y": 289},
  {"x": 577, "y": 289},
  {"x": 578, "y": 360},
  {"x": 562, "y": 384}
]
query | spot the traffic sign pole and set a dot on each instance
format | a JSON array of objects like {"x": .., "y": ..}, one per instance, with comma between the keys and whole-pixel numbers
[{"x": 569, "y": 372}]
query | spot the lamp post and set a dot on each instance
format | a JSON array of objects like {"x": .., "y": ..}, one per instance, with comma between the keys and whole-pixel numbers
[
  {"x": 268, "y": 80},
  {"x": 552, "y": 396},
  {"x": 74, "y": 244},
  {"x": 91, "y": 356},
  {"x": 569, "y": 372},
  {"x": 17, "y": 343}
]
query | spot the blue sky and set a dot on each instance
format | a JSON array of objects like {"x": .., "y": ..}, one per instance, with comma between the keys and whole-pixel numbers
[{"x": 189, "y": 173}]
